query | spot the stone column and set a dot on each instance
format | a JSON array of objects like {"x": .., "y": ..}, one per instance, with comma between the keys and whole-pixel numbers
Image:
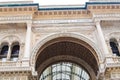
[
  {"x": 102, "y": 39},
  {"x": 21, "y": 51},
  {"x": 28, "y": 41},
  {"x": 9, "y": 52}
]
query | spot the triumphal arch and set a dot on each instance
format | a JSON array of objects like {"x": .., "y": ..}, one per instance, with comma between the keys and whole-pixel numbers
[{"x": 77, "y": 42}]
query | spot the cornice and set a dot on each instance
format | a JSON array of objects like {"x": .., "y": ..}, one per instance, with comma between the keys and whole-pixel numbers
[{"x": 88, "y": 11}]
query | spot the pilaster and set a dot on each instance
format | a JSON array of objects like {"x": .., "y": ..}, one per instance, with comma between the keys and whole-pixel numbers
[
  {"x": 27, "y": 45},
  {"x": 102, "y": 39},
  {"x": 28, "y": 41}
]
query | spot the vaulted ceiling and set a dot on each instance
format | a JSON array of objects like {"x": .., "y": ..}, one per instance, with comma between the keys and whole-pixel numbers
[{"x": 65, "y": 47}]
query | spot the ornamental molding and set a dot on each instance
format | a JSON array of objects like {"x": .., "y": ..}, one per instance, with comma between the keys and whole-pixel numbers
[
  {"x": 111, "y": 16},
  {"x": 106, "y": 15},
  {"x": 114, "y": 35},
  {"x": 11, "y": 39},
  {"x": 112, "y": 73},
  {"x": 66, "y": 25},
  {"x": 112, "y": 62},
  {"x": 15, "y": 18},
  {"x": 63, "y": 12},
  {"x": 55, "y": 29},
  {"x": 3, "y": 69},
  {"x": 115, "y": 75},
  {"x": 45, "y": 39},
  {"x": 59, "y": 21}
]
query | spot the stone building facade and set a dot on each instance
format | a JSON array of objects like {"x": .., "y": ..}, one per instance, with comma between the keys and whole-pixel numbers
[{"x": 32, "y": 38}]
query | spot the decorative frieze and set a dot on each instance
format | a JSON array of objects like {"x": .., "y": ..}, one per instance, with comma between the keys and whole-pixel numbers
[
  {"x": 17, "y": 75},
  {"x": 15, "y": 68},
  {"x": 17, "y": 9},
  {"x": 60, "y": 29},
  {"x": 59, "y": 21},
  {"x": 112, "y": 6},
  {"x": 113, "y": 61},
  {"x": 15, "y": 17},
  {"x": 115, "y": 75},
  {"x": 117, "y": 15},
  {"x": 112, "y": 73},
  {"x": 73, "y": 12}
]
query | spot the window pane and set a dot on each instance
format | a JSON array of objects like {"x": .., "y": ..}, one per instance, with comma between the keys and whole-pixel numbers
[
  {"x": 64, "y": 71},
  {"x": 114, "y": 48},
  {"x": 15, "y": 49},
  {"x": 4, "y": 50}
]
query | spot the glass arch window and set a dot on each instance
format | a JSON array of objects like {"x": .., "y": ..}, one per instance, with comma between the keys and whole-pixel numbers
[
  {"x": 64, "y": 71},
  {"x": 15, "y": 51},
  {"x": 114, "y": 46},
  {"x": 4, "y": 51}
]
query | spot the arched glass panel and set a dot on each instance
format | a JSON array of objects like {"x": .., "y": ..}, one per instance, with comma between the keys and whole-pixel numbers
[
  {"x": 64, "y": 71},
  {"x": 3, "y": 52},
  {"x": 114, "y": 47},
  {"x": 15, "y": 52}
]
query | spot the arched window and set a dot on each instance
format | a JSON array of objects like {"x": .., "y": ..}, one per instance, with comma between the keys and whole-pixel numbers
[
  {"x": 15, "y": 51},
  {"x": 4, "y": 51},
  {"x": 114, "y": 46}
]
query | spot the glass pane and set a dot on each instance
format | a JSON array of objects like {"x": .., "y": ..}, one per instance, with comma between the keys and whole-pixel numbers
[
  {"x": 4, "y": 50},
  {"x": 15, "y": 52},
  {"x": 15, "y": 49},
  {"x": 64, "y": 71},
  {"x": 114, "y": 48}
]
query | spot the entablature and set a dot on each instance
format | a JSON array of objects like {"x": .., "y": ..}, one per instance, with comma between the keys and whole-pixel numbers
[
  {"x": 90, "y": 10},
  {"x": 60, "y": 25}
]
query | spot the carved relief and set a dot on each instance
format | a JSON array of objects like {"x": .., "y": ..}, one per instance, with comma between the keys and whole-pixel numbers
[
  {"x": 112, "y": 73},
  {"x": 17, "y": 75}
]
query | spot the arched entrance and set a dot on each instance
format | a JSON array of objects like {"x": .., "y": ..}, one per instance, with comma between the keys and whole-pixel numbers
[{"x": 67, "y": 49}]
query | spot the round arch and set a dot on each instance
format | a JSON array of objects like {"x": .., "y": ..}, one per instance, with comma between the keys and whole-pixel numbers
[
  {"x": 55, "y": 38},
  {"x": 11, "y": 39},
  {"x": 45, "y": 39}
]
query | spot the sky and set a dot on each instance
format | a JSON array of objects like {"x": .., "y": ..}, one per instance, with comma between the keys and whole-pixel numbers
[{"x": 54, "y": 2}]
